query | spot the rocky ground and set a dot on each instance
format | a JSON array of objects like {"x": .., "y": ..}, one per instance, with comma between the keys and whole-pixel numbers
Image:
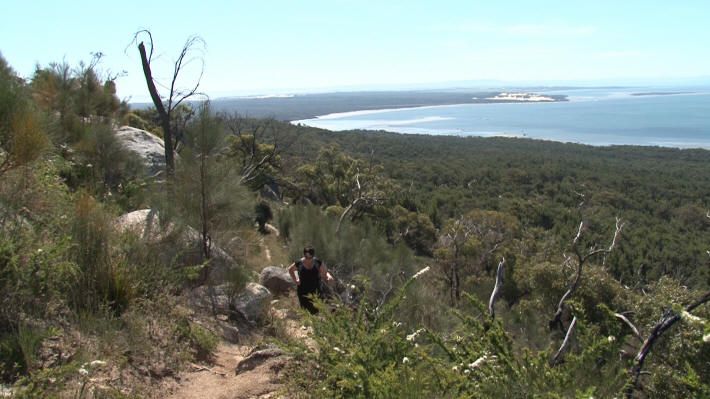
[{"x": 238, "y": 371}]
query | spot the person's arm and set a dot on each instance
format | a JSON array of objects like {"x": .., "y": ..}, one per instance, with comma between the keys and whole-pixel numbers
[
  {"x": 324, "y": 273},
  {"x": 292, "y": 271}
]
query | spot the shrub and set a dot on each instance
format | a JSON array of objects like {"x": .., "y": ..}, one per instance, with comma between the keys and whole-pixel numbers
[{"x": 201, "y": 341}]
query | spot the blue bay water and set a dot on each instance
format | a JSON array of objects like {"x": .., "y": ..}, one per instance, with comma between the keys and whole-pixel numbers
[{"x": 598, "y": 116}]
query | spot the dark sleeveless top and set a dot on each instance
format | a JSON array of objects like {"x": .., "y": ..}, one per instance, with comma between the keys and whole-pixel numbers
[{"x": 310, "y": 278}]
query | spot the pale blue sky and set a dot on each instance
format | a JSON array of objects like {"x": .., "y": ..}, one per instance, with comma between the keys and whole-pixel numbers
[{"x": 269, "y": 46}]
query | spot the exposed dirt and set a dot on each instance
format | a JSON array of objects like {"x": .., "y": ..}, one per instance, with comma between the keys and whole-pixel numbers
[{"x": 220, "y": 381}]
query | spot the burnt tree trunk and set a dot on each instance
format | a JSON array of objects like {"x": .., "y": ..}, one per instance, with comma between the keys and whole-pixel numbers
[{"x": 162, "y": 113}]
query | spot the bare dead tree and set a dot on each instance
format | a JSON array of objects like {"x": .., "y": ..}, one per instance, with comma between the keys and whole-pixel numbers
[
  {"x": 385, "y": 293},
  {"x": 254, "y": 158},
  {"x": 581, "y": 260},
  {"x": 362, "y": 198},
  {"x": 496, "y": 289},
  {"x": 565, "y": 343},
  {"x": 177, "y": 95},
  {"x": 666, "y": 322}
]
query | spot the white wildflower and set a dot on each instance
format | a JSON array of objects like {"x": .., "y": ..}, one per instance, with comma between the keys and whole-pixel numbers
[
  {"x": 478, "y": 362},
  {"x": 405, "y": 360},
  {"x": 39, "y": 250},
  {"x": 83, "y": 372},
  {"x": 455, "y": 368},
  {"x": 611, "y": 339},
  {"x": 413, "y": 335},
  {"x": 466, "y": 371},
  {"x": 396, "y": 324},
  {"x": 419, "y": 273},
  {"x": 335, "y": 348},
  {"x": 706, "y": 338}
]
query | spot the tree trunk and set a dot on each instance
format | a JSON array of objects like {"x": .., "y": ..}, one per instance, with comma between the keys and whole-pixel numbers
[
  {"x": 162, "y": 112},
  {"x": 206, "y": 242}
]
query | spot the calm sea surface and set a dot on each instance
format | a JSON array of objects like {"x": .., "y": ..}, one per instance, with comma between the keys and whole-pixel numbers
[{"x": 680, "y": 117}]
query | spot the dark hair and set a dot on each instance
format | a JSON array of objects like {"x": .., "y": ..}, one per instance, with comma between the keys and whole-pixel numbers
[{"x": 309, "y": 249}]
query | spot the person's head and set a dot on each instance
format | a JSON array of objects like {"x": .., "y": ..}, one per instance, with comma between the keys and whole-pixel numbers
[{"x": 309, "y": 251}]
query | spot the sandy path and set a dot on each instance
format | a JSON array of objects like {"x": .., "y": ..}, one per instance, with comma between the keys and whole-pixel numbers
[{"x": 219, "y": 380}]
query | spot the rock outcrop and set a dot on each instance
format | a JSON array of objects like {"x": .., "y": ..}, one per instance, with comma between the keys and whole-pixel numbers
[
  {"x": 258, "y": 357},
  {"x": 277, "y": 280},
  {"x": 181, "y": 244},
  {"x": 212, "y": 298},
  {"x": 149, "y": 148},
  {"x": 251, "y": 302}
]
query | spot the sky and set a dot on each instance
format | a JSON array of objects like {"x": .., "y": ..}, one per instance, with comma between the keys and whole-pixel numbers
[{"x": 268, "y": 47}]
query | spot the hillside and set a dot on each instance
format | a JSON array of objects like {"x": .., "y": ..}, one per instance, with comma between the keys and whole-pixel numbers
[{"x": 463, "y": 267}]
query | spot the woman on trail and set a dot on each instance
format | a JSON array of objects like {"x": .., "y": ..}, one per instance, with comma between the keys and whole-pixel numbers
[{"x": 307, "y": 273}]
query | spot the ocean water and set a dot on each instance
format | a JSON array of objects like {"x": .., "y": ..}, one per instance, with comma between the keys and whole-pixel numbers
[{"x": 679, "y": 117}]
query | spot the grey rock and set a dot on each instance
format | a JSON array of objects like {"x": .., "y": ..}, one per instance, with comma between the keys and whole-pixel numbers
[
  {"x": 181, "y": 244},
  {"x": 257, "y": 358},
  {"x": 148, "y": 147},
  {"x": 250, "y": 302},
  {"x": 277, "y": 280},
  {"x": 230, "y": 334},
  {"x": 214, "y": 299}
]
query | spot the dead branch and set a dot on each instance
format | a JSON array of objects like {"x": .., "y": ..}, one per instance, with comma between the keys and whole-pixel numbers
[
  {"x": 581, "y": 259},
  {"x": 496, "y": 289},
  {"x": 666, "y": 322},
  {"x": 628, "y": 323},
  {"x": 386, "y": 293},
  {"x": 565, "y": 343},
  {"x": 356, "y": 202}
]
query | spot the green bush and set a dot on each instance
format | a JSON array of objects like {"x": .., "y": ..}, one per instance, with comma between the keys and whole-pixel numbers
[
  {"x": 201, "y": 341},
  {"x": 366, "y": 354},
  {"x": 18, "y": 351},
  {"x": 355, "y": 250}
]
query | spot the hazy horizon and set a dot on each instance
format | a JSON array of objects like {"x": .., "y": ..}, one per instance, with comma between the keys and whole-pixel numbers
[
  {"x": 700, "y": 81},
  {"x": 275, "y": 46}
]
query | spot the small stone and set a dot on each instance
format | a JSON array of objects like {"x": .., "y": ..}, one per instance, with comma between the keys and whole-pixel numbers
[{"x": 230, "y": 334}]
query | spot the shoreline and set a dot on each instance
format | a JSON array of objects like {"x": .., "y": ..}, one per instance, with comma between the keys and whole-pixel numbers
[
  {"x": 309, "y": 106},
  {"x": 500, "y": 98}
]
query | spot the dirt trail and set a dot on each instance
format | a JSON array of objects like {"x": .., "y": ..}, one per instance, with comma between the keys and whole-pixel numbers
[{"x": 219, "y": 380}]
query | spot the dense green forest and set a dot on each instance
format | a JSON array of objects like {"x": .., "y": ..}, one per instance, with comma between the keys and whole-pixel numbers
[{"x": 597, "y": 256}]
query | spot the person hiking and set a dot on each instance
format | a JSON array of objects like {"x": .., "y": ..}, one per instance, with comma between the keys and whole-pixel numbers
[{"x": 307, "y": 273}]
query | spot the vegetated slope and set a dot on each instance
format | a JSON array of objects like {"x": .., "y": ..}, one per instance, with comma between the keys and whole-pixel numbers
[{"x": 660, "y": 192}]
